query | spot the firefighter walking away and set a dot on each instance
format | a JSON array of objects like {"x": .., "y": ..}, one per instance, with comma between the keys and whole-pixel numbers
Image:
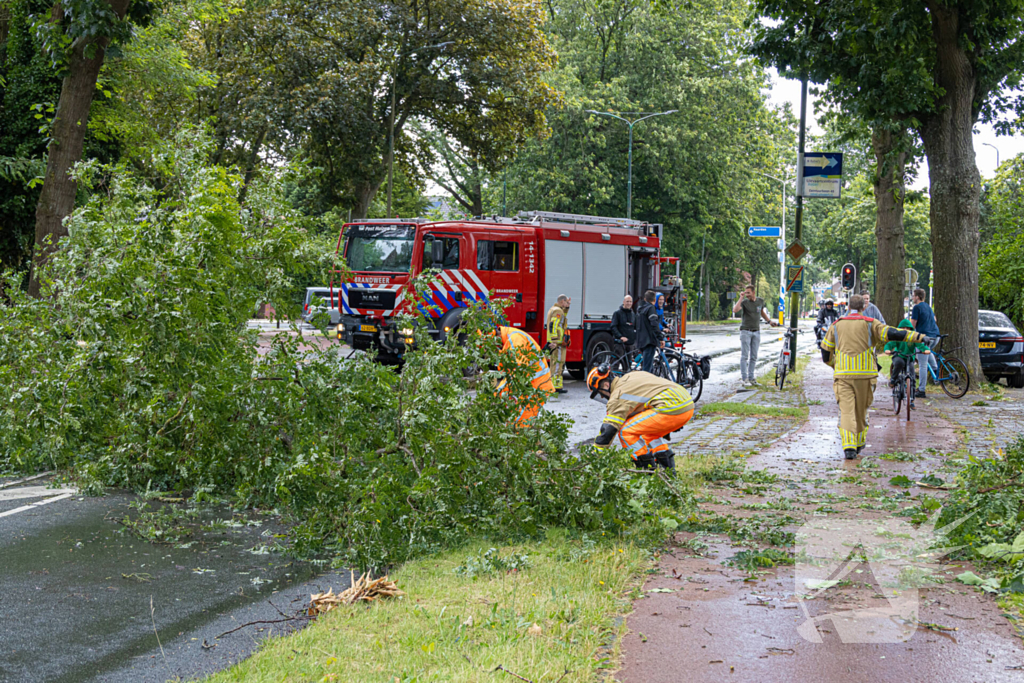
[
  {"x": 849, "y": 348},
  {"x": 558, "y": 340},
  {"x": 643, "y": 409},
  {"x": 527, "y": 352}
]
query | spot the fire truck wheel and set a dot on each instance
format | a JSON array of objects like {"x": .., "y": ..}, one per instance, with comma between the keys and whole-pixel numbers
[
  {"x": 450, "y": 323},
  {"x": 599, "y": 344}
]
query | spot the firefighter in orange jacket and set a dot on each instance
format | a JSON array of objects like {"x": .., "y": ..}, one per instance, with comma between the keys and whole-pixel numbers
[
  {"x": 643, "y": 409},
  {"x": 528, "y": 352}
]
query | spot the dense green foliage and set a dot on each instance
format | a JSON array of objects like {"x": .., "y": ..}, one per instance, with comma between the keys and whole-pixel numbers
[
  {"x": 136, "y": 370},
  {"x": 28, "y": 92},
  {"x": 986, "y": 513},
  {"x": 1001, "y": 262}
]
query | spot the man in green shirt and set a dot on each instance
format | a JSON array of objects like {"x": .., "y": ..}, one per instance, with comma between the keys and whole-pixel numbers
[{"x": 751, "y": 309}]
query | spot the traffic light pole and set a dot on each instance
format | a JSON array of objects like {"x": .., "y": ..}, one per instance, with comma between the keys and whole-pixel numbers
[{"x": 794, "y": 301}]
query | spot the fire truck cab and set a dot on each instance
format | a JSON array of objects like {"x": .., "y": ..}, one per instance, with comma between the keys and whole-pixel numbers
[{"x": 529, "y": 260}]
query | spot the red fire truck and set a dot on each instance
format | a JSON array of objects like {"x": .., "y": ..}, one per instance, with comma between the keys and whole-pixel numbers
[{"x": 530, "y": 260}]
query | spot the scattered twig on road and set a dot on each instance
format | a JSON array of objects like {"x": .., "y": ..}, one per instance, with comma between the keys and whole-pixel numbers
[
  {"x": 152, "y": 618},
  {"x": 265, "y": 621},
  {"x": 512, "y": 673}
]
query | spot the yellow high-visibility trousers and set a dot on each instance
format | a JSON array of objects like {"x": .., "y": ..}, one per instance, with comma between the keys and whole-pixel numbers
[
  {"x": 556, "y": 361},
  {"x": 855, "y": 396}
]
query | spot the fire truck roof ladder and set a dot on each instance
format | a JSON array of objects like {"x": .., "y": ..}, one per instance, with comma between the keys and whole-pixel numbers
[{"x": 549, "y": 218}]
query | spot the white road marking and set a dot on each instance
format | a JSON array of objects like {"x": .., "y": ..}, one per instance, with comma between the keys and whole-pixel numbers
[
  {"x": 23, "y": 508},
  {"x": 32, "y": 492}
]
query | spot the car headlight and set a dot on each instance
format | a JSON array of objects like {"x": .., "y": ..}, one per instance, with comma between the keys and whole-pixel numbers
[
  {"x": 405, "y": 332},
  {"x": 341, "y": 328}
]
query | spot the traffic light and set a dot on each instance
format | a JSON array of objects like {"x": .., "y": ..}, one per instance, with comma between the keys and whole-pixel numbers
[{"x": 849, "y": 276}]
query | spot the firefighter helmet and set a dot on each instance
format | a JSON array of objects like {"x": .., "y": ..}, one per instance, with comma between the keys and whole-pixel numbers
[{"x": 597, "y": 374}]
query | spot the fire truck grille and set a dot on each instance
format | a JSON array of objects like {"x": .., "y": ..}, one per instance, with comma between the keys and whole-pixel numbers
[{"x": 376, "y": 299}]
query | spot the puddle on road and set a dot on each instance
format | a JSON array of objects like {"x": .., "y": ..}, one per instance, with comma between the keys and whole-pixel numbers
[{"x": 75, "y": 588}]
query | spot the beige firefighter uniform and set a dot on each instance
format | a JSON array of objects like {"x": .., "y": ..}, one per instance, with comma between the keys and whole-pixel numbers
[
  {"x": 645, "y": 408},
  {"x": 851, "y": 343},
  {"x": 558, "y": 333}
]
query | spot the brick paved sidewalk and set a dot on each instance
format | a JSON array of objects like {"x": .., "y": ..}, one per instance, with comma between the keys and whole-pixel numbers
[{"x": 719, "y": 615}]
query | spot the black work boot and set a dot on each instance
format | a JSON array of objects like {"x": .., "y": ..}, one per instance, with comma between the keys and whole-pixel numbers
[
  {"x": 851, "y": 453},
  {"x": 645, "y": 462},
  {"x": 666, "y": 459}
]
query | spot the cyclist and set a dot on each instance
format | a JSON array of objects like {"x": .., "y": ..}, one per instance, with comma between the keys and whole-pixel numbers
[
  {"x": 903, "y": 354},
  {"x": 643, "y": 409},
  {"x": 826, "y": 316},
  {"x": 848, "y": 348}
]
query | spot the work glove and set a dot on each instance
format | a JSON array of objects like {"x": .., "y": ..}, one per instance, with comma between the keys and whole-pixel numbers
[{"x": 607, "y": 433}]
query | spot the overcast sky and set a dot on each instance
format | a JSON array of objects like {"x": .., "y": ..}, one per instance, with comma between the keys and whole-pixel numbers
[{"x": 785, "y": 90}]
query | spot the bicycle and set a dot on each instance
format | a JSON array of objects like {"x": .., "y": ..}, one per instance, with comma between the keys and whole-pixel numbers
[
  {"x": 682, "y": 368},
  {"x": 782, "y": 365},
  {"x": 903, "y": 388},
  {"x": 952, "y": 375}
]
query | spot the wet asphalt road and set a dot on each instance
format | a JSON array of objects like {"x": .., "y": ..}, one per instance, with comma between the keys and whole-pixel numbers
[
  {"x": 721, "y": 342},
  {"x": 84, "y": 601}
]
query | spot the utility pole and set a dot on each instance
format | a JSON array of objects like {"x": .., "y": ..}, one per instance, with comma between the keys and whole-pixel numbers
[
  {"x": 630, "y": 124},
  {"x": 794, "y": 301},
  {"x": 782, "y": 253}
]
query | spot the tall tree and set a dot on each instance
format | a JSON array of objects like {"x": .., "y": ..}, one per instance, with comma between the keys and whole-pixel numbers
[
  {"x": 78, "y": 37},
  {"x": 938, "y": 66},
  {"x": 320, "y": 76}
]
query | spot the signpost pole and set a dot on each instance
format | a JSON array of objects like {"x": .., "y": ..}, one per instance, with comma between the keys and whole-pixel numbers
[{"x": 795, "y": 300}]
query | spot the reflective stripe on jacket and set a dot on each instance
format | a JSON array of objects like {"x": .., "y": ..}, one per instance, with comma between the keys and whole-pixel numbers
[
  {"x": 558, "y": 332},
  {"x": 526, "y": 348},
  {"x": 852, "y": 341},
  {"x": 636, "y": 390}
]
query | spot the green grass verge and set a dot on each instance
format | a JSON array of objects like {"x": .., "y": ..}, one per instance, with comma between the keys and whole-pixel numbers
[
  {"x": 794, "y": 378},
  {"x": 555, "y": 616},
  {"x": 751, "y": 409}
]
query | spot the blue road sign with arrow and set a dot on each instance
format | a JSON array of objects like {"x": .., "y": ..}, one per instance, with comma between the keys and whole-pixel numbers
[
  {"x": 762, "y": 231},
  {"x": 822, "y": 174}
]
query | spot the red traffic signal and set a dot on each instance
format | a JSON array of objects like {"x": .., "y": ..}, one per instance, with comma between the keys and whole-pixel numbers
[{"x": 849, "y": 278}]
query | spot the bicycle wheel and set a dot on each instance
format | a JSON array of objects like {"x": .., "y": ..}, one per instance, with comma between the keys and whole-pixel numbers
[
  {"x": 909, "y": 384},
  {"x": 661, "y": 369},
  {"x": 897, "y": 396},
  {"x": 618, "y": 364},
  {"x": 698, "y": 383},
  {"x": 953, "y": 377},
  {"x": 780, "y": 373}
]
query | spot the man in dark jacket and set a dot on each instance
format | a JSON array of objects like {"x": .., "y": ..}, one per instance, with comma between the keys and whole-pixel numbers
[
  {"x": 648, "y": 330},
  {"x": 624, "y": 327}
]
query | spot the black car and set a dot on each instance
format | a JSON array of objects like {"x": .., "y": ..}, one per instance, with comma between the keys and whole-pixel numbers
[{"x": 1001, "y": 348}]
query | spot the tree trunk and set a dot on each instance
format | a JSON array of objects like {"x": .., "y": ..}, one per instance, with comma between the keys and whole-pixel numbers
[
  {"x": 364, "y": 197},
  {"x": 890, "y": 192},
  {"x": 955, "y": 187},
  {"x": 57, "y": 198}
]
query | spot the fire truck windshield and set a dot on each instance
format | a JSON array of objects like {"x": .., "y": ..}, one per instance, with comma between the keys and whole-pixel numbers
[{"x": 381, "y": 248}]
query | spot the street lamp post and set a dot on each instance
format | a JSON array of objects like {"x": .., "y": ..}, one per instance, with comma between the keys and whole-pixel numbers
[
  {"x": 997, "y": 153},
  {"x": 391, "y": 116},
  {"x": 630, "y": 124},
  {"x": 782, "y": 257}
]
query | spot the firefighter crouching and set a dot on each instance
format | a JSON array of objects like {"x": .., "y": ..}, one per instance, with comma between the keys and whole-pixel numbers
[
  {"x": 558, "y": 340},
  {"x": 849, "y": 347},
  {"x": 643, "y": 409},
  {"x": 528, "y": 352}
]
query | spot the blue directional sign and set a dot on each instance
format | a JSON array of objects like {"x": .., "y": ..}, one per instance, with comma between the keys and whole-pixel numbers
[
  {"x": 822, "y": 174},
  {"x": 774, "y": 231}
]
